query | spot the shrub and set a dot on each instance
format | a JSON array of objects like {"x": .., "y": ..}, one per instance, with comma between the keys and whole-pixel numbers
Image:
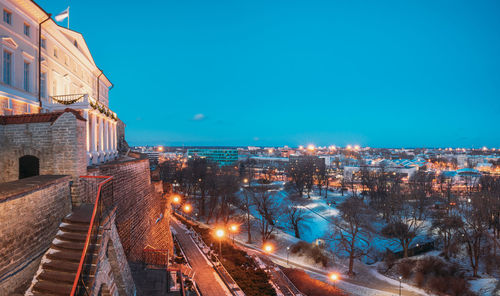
[
  {"x": 419, "y": 279},
  {"x": 312, "y": 251},
  {"x": 405, "y": 268}
]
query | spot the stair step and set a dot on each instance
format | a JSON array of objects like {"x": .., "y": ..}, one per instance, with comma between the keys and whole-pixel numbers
[
  {"x": 54, "y": 288},
  {"x": 57, "y": 276},
  {"x": 72, "y": 237},
  {"x": 66, "y": 255},
  {"x": 76, "y": 246},
  {"x": 60, "y": 265},
  {"x": 75, "y": 228}
]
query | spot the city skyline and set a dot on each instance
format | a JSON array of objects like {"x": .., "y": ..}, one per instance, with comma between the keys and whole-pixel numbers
[{"x": 272, "y": 74}]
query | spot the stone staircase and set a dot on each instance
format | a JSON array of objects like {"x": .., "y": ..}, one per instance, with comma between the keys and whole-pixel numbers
[{"x": 59, "y": 265}]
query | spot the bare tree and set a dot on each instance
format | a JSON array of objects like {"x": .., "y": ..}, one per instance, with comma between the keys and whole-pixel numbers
[
  {"x": 295, "y": 215},
  {"x": 447, "y": 228},
  {"x": 268, "y": 210},
  {"x": 353, "y": 229},
  {"x": 245, "y": 205},
  {"x": 406, "y": 223},
  {"x": 474, "y": 230}
]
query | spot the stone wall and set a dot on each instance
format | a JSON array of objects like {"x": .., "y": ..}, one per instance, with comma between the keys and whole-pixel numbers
[
  {"x": 141, "y": 214},
  {"x": 60, "y": 147},
  {"x": 31, "y": 210},
  {"x": 113, "y": 271}
]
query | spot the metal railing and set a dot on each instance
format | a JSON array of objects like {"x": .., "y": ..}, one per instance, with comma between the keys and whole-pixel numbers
[
  {"x": 100, "y": 205},
  {"x": 83, "y": 99}
]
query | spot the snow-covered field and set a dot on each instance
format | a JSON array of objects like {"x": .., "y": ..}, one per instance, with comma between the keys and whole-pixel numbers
[{"x": 321, "y": 212}]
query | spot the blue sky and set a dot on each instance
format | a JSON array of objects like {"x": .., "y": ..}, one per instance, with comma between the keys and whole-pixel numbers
[{"x": 265, "y": 72}]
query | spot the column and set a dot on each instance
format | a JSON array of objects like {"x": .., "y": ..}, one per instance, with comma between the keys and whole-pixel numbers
[
  {"x": 87, "y": 133},
  {"x": 101, "y": 139},
  {"x": 93, "y": 137},
  {"x": 115, "y": 140}
]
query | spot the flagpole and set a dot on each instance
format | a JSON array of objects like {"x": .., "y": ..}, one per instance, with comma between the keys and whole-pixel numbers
[{"x": 68, "y": 17}]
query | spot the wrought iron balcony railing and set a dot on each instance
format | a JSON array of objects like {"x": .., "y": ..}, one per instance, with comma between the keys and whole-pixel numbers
[{"x": 83, "y": 101}]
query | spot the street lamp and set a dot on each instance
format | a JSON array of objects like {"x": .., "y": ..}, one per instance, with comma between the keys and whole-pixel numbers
[
  {"x": 187, "y": 208},
  {"x": 220, "y": 234},
  {"x": 334, "y": 277},
  {"x": 400, "y": 278},
  {"x": 233, "y": 228},
  {"x": 176, "y": 199},
  {"x": 268, "y": 248}
]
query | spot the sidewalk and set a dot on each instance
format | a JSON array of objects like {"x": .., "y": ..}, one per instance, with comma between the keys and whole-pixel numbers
[{"x": 206, "y": 278}]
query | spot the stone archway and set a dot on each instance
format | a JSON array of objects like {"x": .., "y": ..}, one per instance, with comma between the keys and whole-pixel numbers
[{"x": 29, "y": 166}]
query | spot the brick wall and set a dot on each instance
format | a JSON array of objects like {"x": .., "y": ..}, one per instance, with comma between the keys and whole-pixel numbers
[
  {"x": 31, "y": 210},
  {"x": 141, "y": 215},
  {"x": 60, "y": 147}
]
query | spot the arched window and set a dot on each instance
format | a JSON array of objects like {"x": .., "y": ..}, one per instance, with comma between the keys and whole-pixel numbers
[{"x": 29, "y": 166}]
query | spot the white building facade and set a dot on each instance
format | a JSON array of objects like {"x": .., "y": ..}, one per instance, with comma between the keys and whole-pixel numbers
[{"x": 46, "y": 67}]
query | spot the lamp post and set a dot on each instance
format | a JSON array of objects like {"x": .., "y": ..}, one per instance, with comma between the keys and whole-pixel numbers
[
  {"x": 334, "y": 277},
  {"x": 220, "y": 234},
  {"x": 287, "y": 255},
  {"x": 187, "y": 208},
  {"x": 233, "y": 228},
  {"x": 400, "y": 278}
]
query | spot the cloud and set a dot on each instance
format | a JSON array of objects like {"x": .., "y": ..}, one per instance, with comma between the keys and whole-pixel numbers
[{"x": 198, "y": 117}]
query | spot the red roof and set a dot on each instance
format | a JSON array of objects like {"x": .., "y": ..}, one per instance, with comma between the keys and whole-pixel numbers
[{"x": 37, "y": 117}]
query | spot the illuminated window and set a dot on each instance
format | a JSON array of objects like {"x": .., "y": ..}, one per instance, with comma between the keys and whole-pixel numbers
[
  {"x": 26, "y": 84},
  {"x": 43, "y": 84},
  {"x": 7, "y": 17},
  {"x": 26, "y": 29},
  {"x": 7, "y": 67}
]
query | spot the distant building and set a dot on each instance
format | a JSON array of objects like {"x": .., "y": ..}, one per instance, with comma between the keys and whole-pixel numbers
[
  {"x": 221, "y": 156},
  {"x": 296, "y": 161}
]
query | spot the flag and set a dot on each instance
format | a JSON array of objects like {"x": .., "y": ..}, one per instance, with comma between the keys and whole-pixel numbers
[{"x": 63, "y": 15}]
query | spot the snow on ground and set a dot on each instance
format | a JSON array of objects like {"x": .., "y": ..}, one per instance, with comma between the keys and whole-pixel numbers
[{"x": 484, "y": 286}]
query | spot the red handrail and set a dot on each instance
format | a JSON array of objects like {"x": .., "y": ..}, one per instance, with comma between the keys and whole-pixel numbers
[{"x": 89, "y": 232}]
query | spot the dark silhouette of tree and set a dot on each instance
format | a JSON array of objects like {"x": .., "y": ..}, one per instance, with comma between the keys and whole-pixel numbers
[
  {"x": 295, "y": 215},
  {"x": 353, "y": 229}
]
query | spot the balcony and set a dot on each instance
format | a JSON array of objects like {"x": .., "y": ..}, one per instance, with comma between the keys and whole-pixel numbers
[{"x": 78, "y": 101}]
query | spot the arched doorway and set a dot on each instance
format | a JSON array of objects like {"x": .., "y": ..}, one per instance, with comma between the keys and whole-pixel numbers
[{"x": 29, "y": 166}]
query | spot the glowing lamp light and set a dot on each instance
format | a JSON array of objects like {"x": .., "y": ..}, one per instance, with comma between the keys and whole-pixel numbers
[
  {"x": 160, "y": 148},
  {"x": 176, "y": 199},
  {"x": 349, "y": 147},
  {"x": 311, "y": 147},
  {"x": 187, "y": 208},
  {"x": 268, "y": 248},
  {"x": 233, "y": 227},
  {"x": 334, "y": 277},
  {"x": 219, "y": 233},
  {"x": 301, "y": 147},
  {"x": 245, "y": 180},
  {"x": 356, "y": 147}
]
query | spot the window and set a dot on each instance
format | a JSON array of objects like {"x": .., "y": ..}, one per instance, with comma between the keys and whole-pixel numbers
[
  {"x": 26, "y": 85},
  {"x": 7, "y": 67},
  {"x": 7, "y": 17},
  {"x": 55, "y": 52},
  {"x": 26, "y": 29},
  {"x": 76, "y": 44},
  {"x": 43, "y": 43},
  {"x": 43, "y": 85}
]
